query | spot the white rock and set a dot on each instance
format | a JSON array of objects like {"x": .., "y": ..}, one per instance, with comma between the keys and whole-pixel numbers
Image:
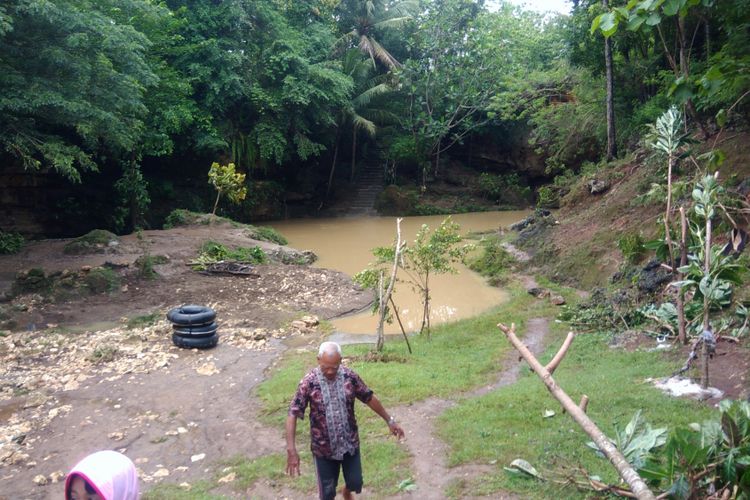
[
  {"x": 40, "y": 480},
  {"x": 161, "y": 473},
  {"x": 196, "y": 458},
  {"x": 228, "y": 478}
]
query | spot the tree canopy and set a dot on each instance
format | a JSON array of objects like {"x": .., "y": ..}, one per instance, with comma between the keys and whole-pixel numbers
[{"x": 280, "y": 87}]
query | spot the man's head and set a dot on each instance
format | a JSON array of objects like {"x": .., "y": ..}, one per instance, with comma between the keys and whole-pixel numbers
[{"x": 329, "y": 359}]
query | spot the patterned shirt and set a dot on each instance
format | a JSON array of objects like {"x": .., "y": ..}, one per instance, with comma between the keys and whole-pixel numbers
[{"x": 330, "y": 436}]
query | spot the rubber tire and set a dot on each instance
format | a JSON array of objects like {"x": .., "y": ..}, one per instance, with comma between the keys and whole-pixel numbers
[
  {"x": 196, "y": 331},
  {"x": 191, "y": 315},
  {"x": 193, "y": 342}
]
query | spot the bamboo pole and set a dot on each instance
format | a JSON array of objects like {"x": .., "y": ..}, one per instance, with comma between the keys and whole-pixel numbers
[{"x": 639, "y": 488}]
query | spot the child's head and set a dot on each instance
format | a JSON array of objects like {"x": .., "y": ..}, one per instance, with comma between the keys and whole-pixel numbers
[
  {"x": 80, "y": 489},
  {"x": 104, "y": 475}
]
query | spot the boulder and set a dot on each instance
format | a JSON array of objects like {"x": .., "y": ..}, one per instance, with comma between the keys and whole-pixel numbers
[{"x": 597, "y": 186}]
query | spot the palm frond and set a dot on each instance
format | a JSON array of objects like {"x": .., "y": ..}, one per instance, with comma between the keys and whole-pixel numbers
[
  {"x": 365, "y": 97},
  {"x": 392, "y": 23},
  {"x": 382, "y": 55},
  {"x": 361, "y": 123}
]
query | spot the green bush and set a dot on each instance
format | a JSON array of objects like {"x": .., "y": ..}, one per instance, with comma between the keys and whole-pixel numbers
[
  {"x": 631, "y": 246},
  {"x": 101, "y": 279},
  {"x": 509, "y": 187},
  {"x": 493, "y": 262},
  {"x": 95, "y": 241},
  {"x": 265, "y": 233},
  {"x": 10, "y": 243},
  {"x": 146, "y": 263},
  {"x": 547, "y": 198},
  {"x": 32, "y": 281},
  {"x": 212, "y": 251}
]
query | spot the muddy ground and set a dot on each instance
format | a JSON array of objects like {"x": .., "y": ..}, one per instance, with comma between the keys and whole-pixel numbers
[{"x": 82, "y": 375}]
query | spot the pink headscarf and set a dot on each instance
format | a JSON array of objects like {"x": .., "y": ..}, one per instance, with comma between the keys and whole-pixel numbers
[{"x": 112, "y": 475}]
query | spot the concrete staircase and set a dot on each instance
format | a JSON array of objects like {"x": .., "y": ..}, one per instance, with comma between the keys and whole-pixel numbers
[{"x": 360, "y": 200}]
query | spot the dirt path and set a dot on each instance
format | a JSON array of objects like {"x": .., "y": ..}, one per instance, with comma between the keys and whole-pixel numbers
[{"x": 429, "y": 453}]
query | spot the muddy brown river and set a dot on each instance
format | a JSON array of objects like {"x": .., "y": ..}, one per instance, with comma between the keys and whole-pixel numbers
[{"x": 345, "y": 244}]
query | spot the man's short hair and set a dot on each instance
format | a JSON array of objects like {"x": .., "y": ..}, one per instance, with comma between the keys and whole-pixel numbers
[{"x": 329, "y": 348}]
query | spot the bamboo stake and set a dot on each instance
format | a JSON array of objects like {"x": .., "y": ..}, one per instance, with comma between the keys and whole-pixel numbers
[
  {"x": 639, "y": 488},
  {"x": 384, "y": 297}
]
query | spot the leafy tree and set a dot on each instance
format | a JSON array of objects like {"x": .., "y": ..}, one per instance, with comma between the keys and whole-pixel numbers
[
  {"x": 362, "y": 19},
  {"x": 73, "y": 82},
  {"x": 359, "y": 114},
  {"x": 432, "y": 253},
  {"x": 227, "y": 181}
]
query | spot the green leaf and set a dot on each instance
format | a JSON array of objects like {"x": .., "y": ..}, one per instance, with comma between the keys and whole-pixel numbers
[
  {"x": 520, "y": 465},
  {"x": 653, "y": 19},
  {"x": 609, "y": 22},
  {"x": 680, "y": 489},
  {"x": 595, "y": 23},
  {"x": 721, "y": 118},
  {"x": 671, "y": 7},
  {"x": 635, "y": 21}
]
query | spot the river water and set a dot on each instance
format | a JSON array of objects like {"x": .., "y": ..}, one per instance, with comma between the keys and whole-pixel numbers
[{"x": 345, "y": 244}]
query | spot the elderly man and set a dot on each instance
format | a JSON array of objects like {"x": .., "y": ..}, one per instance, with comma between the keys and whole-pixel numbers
[{"x": 330, "y": 390}]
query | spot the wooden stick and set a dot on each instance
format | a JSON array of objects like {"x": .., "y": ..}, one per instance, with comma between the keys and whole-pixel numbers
[
  {"x": 552, "y": 365},
  {"x": 584, "y": 404},
  {"x": 639, "y": 488}
]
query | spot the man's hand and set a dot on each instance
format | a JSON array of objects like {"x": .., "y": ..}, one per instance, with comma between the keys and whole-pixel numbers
[
  {"x": 396, "y": 430},
  {"x": 292, "y": 463}
]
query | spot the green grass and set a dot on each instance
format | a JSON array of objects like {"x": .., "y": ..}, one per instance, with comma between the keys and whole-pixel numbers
[
  {"x": 198, "y": 491},
  {"x": 470, "y": 348},
  {"x": 509, "y": 424},
  {"x": 143, "y": 320}
]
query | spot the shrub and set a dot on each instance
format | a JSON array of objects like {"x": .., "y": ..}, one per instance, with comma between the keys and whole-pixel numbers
[
  {"x": 146, "y": 263},
  {"x": 32, "y": 281},
  {"x": 493, "y": 261},
  {"x": 631, "y": 246},
  {"x": 547, "y": 198},
  {"x": 10, "y": 243},
  {"x": 101, "y": 279},
  {"x": 265, "y": 233}
]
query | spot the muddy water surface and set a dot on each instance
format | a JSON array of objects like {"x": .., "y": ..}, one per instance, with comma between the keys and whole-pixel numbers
[{"x": 345, "y": 244}]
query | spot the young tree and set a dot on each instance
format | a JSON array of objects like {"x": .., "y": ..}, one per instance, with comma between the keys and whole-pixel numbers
[
  {"x": 226, "y": 181},
  {"x": 668, "y": 137},
  {"x": 432, "y": 253}
]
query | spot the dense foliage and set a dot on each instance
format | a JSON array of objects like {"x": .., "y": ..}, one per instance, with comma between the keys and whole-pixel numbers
[{"x": 149, "y": 94}]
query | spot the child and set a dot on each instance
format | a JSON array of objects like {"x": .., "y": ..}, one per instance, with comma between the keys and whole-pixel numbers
[{"x": 104, "y": 475}]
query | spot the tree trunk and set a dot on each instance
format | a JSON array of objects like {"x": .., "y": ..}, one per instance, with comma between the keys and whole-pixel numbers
[
  {"x": 681, "y": 323},
  {"x": 437, "y": 158},
  {"x": 354, "y": 152},
  {"x": 668, "y": 213},
  {"x": 333, "y": 165},
  {"x": 639, "y": 488},
  {"x": 706, "y": 307},
  {"x": 216, "y": 203},
  {"x": 611, "y": 142}
]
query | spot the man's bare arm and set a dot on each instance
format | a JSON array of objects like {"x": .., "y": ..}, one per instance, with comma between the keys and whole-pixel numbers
[
  {"x": 378, "y": 408},
  {"x": 292, "y": 457}
]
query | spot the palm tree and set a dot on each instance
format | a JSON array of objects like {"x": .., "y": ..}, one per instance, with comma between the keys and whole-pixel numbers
[
  {"x": 364, "y": 17},
  {"x": 359, "y": 114}
]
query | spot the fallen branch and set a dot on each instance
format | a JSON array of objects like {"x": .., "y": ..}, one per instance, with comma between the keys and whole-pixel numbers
[
  {"x": 552, "y": 365},
  {"x": 626, "y": 472}
]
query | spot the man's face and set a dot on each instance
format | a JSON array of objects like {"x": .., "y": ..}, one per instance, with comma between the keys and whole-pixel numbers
[{"x": 329, "y": 365}]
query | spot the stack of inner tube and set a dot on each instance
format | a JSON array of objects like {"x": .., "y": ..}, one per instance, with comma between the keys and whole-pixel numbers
[{"x": 193, "y": 326}]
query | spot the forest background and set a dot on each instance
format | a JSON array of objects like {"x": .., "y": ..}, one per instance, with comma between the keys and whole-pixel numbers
[{"x": 119, "y": 107}]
